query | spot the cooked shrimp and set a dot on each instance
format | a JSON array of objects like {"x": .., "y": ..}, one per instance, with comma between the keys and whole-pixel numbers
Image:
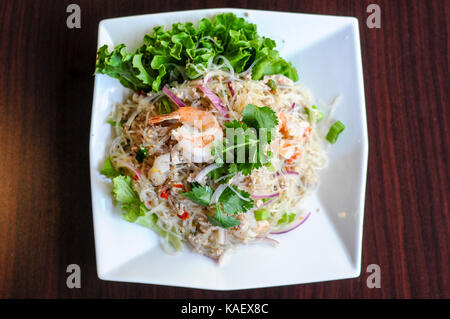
[
  {"x": 160, "y": 169},
  {"x": 294, "y": 133},
  {"x": 197, "y": 134}
]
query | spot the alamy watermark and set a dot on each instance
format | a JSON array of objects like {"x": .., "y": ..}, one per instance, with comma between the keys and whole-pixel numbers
[
  {"x": 374, "y": 19},
  {"x": 74, "y": 19},
  {"x": 74, "y": 279},
  {"x": 374, "y": 279}
]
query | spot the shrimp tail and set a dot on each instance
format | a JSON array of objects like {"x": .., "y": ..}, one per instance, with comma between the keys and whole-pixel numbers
[{"x": 165, "y": 117}]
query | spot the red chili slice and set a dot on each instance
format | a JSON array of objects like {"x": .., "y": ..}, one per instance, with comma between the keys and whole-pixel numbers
[
  {"x": 165, "y": 194},
  {"x": 184, "y": 216}
]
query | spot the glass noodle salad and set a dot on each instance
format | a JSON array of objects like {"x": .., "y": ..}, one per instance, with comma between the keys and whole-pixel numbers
[{"x": 216, "y": 145}]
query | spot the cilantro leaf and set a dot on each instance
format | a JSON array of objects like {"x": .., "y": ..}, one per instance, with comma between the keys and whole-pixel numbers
[
  {"x": 199, "y": 194},
  {"x": 260, "y": 118},
  {"x": 232, "y": 203},
  {"x": 108, "y": 169},
  {"x": 223, "y": 220},
  {"x": 219, "y": 172}
]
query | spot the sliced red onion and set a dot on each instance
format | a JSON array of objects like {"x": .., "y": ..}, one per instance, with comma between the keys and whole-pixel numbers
[
  {"x": 267, "y": 203},
  {"x": 293, "y": 106},
  {"x": 132, "y": 168},
  {"x": 230, "y": 88},
  {"x": 215, "y": 100},
  {"x": 202, "y": 174},
  {"x": 292, "y": 227},
  {"x": 173, "y": 97},
  {"x": 292, "y": 172},
  {"x": 219, "y": 190},
  {"x": 265, "y": 196}
]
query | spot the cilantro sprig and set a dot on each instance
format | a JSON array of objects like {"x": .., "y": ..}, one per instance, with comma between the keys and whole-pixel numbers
[
  {"x": 231, "y": 202},
  {"x": 223, "y": 220},
  {"x": 199, "y": 194},
  {"x": 243, "y": 146}
]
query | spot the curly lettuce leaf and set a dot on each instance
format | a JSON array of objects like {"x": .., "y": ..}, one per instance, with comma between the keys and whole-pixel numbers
[
  {"x": 108, "y": 169},
  {"x": 179, "y": 53}
]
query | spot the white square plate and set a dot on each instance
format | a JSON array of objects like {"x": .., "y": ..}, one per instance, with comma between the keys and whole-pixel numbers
[{"x": 326, "y": 51}]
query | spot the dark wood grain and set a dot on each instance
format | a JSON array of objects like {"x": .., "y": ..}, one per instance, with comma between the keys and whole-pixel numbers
[{"x": 46, "y": 87}]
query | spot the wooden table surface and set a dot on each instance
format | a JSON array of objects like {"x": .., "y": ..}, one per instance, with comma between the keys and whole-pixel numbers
[{"x": 46, "y": 87}]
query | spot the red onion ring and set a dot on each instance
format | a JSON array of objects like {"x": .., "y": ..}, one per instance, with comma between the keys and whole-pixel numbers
[
  {"x": 173, "y": 97},
  {"x": 132, "y": 168},
  {"x": 230, "y": 88},
  {"x": 265, "y": 196},
  {"x": 215, "y": 100}
]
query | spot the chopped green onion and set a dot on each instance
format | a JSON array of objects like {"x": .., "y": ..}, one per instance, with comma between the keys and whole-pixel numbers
[
  {"x": 141, "y": 154},
  {"x": 283, "y": 219},
  {"x": 164, "y": 106},
  {"x": 114, "y": 123},
  {"x": 273, "y": 86},
  {"x": 286, "y": 218},
  {"x": 334, "y": 131},
  {"x": 291, "y": 217},
  {"x": 261, "y": 214},
  {"x": 269, "y": 165},
  {"x": 314, "y": 114}
]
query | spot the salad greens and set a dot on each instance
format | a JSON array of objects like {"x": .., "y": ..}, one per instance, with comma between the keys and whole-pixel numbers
[
  {"x": 108, "y": 169},
  {"x": 130, "y": 203},
  {"x": 179, "y": 53},
  {"x": 127, "y": 198}
]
